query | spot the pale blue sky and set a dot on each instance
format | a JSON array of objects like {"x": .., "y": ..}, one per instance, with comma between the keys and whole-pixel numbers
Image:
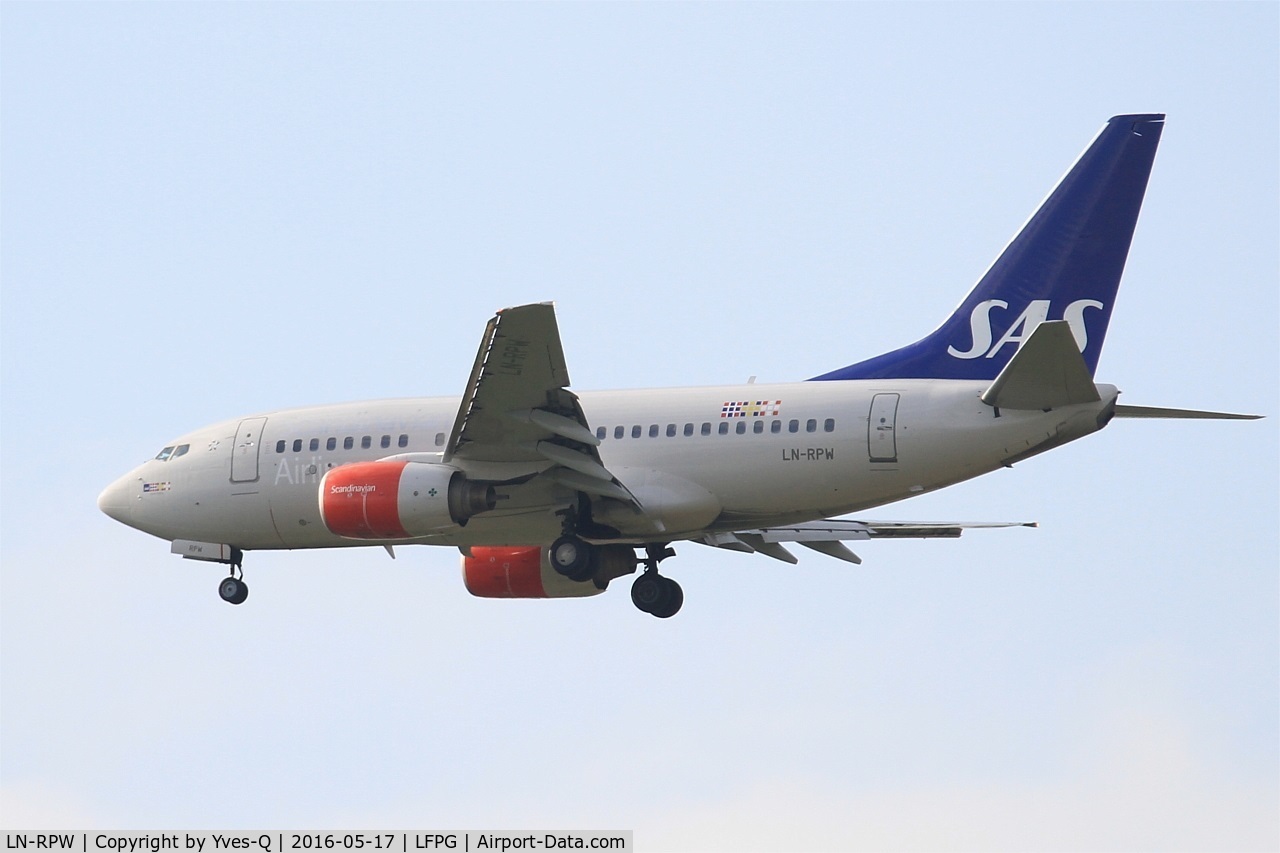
[{"x": 209, "y": 210}]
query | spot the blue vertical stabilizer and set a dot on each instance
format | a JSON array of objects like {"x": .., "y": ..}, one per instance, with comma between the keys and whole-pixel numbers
[{"x": 1065, "y": 264}]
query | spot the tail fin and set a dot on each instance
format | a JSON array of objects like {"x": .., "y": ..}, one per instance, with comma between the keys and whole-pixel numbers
[{"x": 1065, "y": 264}]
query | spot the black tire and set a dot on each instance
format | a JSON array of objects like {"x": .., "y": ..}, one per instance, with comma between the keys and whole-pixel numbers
[
  {"x": 228, "y": 588},
  {"x": 674, "y": 599},
  {"x": 233, "y": 590},
  {"x": 649, "y": 592},
  {"x": 572, "y": 557}
]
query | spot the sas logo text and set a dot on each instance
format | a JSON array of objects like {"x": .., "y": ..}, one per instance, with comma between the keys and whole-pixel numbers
[{"x": 982, "y": 328}]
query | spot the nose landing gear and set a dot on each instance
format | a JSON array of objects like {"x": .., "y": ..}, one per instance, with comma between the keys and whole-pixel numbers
[{"x": 234, "y": 590}]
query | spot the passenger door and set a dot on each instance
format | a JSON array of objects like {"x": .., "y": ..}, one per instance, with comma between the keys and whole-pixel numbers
[
  {"x": 244, "y": 454},
  {"x": 882, "y": 442}
]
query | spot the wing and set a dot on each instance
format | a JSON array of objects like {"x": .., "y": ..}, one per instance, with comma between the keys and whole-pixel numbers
[
  {"x": 828, "y": 536},
  {"x": 518, "y": 408}
]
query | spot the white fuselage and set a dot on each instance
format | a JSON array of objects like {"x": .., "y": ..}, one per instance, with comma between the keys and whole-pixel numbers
[{"x": 699, "y": 460}]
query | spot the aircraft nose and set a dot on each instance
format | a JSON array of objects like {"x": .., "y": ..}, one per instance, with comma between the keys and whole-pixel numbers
[{"x": 116, "y": 500}]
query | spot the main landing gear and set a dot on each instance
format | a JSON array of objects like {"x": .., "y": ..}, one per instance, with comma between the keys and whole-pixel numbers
[
  {"x": 657, "y": 595},
  {"x": 651, "y": 593},
  {"x": 234, "y": 590},
  {"x": 573, "y": 558}
]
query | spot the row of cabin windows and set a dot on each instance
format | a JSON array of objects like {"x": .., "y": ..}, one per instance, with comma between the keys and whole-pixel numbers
[
  {"x": 740, "y": 427},
  {"x": 349, "y": 443},
  {"x": 366, "y": 442}
]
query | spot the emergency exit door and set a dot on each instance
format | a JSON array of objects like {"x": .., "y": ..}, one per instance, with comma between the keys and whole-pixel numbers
[{"x": 882, "y": 440}]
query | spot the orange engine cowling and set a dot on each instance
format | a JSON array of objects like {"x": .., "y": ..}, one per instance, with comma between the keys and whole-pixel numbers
[
  {"x": 397, "y": 499},
  {"x": 518, "y": 573}
]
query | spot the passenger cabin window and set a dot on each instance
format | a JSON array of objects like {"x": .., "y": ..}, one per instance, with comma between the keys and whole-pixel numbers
[
  {"x": 348, "y": 443},
  {"x": 386, "y": 441},
  {"x": 671, "y": 430},
  {"x": 366, "y": 442},
  {"x": 297, "y": 445},
  {"x": 601, "y": 433},
  {"x": 811, "y": 425},
  {"x": 706, "y": 428},
  {"x": 688, "y": 429},
  {"x": 617, "y": 432},
  {"x": 280, "y": 446},
  {"x": 653, "y": 430},
  {"x": 829, "y": 425},
  {"x": 404, "y": 440},
  {"x": 439, "y": 439},
  {"x": 331, "y": 444},
  {"x": 793, "y": 426},
  {"x": 724, "y": 428},
  {"x": 635, "y": 431},
  {"x": 741, "y": 428},
  {"x": 757, "y": 427},
  {"x": 314, "y": 445},
  {"x": 775, "y": 427}
]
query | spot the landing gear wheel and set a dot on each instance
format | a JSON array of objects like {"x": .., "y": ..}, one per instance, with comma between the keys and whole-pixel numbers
[
  {"x": 572, "y": 557},
  {"x": 658, "y": 596},
  {"x": 646, "y": 592},
  {"x": 233, "y": 590},
  {"x": 674, "y": 600}
]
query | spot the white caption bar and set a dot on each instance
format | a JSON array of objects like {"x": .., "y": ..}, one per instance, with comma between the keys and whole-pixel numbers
[{"x": 277, "y": 841}]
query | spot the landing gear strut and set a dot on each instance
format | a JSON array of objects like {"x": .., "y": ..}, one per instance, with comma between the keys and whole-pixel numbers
[
  {"x": 232, "y": 589},
  {"x": 653, "y": 593},
  {"x": 569, "y": 555}
]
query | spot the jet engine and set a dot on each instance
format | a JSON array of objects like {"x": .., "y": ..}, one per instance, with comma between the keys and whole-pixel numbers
[
  {"x": 527, "y": 573},
  {"x": 399, "y": 499}
]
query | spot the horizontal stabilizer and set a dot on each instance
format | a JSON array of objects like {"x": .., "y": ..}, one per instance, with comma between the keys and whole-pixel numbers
[
  {"x": 1047, "y": 372},
  {"x": 1181, "y": 414}
]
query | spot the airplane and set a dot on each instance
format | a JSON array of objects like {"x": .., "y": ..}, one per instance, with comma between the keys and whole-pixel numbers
[{"x": 550, "y": 493}]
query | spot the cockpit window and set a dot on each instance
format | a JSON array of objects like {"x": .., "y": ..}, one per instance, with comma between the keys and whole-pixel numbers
[{"x": 171, "y": 452}]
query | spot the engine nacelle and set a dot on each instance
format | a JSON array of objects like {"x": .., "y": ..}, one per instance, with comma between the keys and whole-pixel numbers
[
  {"x": 399, "y": 500},
  {"x": 526, "y": 572}
]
